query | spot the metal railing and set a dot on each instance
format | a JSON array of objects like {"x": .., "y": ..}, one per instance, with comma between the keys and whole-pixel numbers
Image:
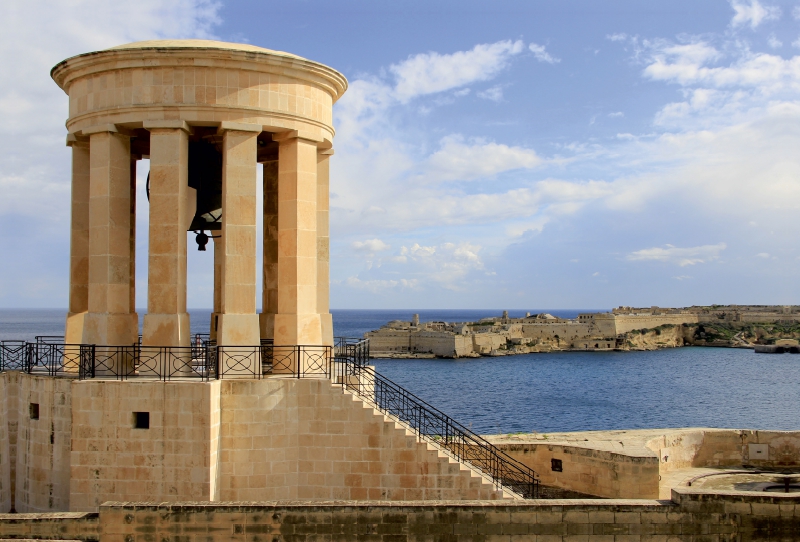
[
  {"x": 203, "y": 360},
  {"x": 13, "y": 356},
  {"x": 429, "y": 423}
]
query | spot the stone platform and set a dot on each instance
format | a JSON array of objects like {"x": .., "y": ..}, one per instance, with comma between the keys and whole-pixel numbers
[{"x": 647, "y": 463}]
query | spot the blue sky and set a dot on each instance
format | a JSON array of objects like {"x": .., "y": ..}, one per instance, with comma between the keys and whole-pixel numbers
[{"x": 549, "y": 154}]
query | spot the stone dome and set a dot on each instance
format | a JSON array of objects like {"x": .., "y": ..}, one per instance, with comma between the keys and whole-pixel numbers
[{"x": 200, "y": 44}]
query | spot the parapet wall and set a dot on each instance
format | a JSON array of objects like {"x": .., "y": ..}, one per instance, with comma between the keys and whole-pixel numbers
[
  {"x": 635, "y": 464},
  {"x": 689, "y": 517}
]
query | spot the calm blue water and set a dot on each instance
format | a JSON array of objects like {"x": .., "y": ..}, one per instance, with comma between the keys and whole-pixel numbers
[{"x": 568, "y": 391}]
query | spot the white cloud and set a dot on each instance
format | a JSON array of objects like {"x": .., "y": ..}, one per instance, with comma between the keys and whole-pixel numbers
[
  {"x": 494, "y": 93},
  {"x": 753, "y": 13},
  {"x": 679, "y": 256},
  {"x": 459, "y": 160},
  {"x": 542, "y": 55},
  {"x": 445, "y": 264},
  {"x": 34, "y": 108},
  {"x": 774, "y": 42},
  {"x": 370, "y": 245},
  {"x": 764, "y": 255},
  {"x": 616, "y": 114},
  {"x": 428, "y": 73},
  {"x": 378, "y": 286}
]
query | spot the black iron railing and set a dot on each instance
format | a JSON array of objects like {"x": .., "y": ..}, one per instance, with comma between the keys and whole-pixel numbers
[
  {"x": 203, "y": 360},
  {"x": 14, "y": 356},
  {"x": 353, "y": 373}
]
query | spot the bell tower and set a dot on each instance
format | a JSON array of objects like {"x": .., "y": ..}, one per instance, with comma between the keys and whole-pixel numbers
[{"x": 207, "y": 115}]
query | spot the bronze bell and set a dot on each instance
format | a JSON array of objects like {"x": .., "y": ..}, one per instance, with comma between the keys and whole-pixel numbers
[{"x": 205, "y": 176}]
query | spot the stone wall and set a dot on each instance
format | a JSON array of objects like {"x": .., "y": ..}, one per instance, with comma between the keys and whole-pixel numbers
[
  {"x": 307, "y": 439},
  {"x": 271, "y": 439},
  {"x": 564, "y": 331},
  {"x": 112, "y": 459},
  {"x": 6, "y": 465},
  {"x": 43, "y": 444},
  {"x": 385, "y": 341},
  {"x": 590, "y": 471},
  {"x": 689, "y": 517},
  {"x": 683, "y": 449},
  {"x": 626, "y": 323}
]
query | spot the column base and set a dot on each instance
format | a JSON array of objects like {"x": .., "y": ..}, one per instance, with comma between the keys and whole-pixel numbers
[
  {"x": 166, "y": 330},
  {"x": 238, "y": 330},
  {"x": 298, "y": 329},
  {"x": 326, "y": 323},
  {"x": 110, "y": 329},
  {"x": 73, "y": 331},
  {"x": 266, "y": 323}
]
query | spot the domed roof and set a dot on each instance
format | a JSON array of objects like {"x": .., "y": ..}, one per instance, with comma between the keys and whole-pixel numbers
[{"x": 199, "y": 44}]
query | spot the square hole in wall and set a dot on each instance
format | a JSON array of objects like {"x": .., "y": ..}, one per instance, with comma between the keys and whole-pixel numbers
[
  {"x": 141, "y": 420},
  {"x": 33, "y": 410},
  {"x": 556, "y": 466}
]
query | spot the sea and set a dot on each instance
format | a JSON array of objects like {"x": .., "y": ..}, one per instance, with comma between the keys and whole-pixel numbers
[{"x": 562, "y": 391}]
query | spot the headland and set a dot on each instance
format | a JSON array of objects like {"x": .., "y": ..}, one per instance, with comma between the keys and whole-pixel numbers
[{"x": 622, "y": 329}]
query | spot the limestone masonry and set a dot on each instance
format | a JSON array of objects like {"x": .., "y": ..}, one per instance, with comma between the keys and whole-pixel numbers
[{"x": 624, "y": 328}]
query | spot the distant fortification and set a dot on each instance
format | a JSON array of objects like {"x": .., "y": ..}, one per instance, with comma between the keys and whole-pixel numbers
[{"x": 624, "y": 328}]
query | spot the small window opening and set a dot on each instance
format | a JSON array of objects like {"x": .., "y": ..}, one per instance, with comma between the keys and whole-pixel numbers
[
  {"x": 555, "y": 465},
  {"x": 141, "y": 420},
  {"x": 33, "y": 410}
]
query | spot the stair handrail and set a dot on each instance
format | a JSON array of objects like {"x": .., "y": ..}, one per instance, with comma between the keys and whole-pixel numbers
[{"x": 428, "y": 422}]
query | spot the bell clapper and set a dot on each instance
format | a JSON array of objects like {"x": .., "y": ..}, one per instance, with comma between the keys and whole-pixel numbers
[{"x": 202, "y": 239}]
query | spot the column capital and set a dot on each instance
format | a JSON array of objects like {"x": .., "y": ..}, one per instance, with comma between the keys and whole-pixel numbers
[
  {"x": 327, "y": 152},
  {"x": 297, "y": 134},
  {"x": 75, "y": 140},
  {"x": 167, "y": 125},
  {"x": 101, "y": 128},
  {"x": 239, "y": 127}
]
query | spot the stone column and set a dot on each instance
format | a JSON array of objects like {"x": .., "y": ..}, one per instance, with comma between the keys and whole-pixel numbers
[
  {"x": 110, "y": 320},
  {"x": 132, "y": 294},
  {"x": 217, "y": 288},
  {"x": 297, "y": 321},
  {"x": 269, "y": 290},
  {"x": 167, "y": 322},
  {"x": 78, "y": 241},
  {"x": 324, "y": 246},
  {"x": 238, "y": 321}
]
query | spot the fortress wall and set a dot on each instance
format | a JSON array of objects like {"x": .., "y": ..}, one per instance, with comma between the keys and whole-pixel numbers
[
  {"x": 593, "y": 344},
  {"x": 308, "y": 439},
  {"x": 749, "y": 317},
  {"x": 589, "y": 471},
  {"x": 169, "y": 461},
  {"x": 43, "y": 444},
  {"x": 439, "y": 344},
  {"x": 463, "y": 345},
  {"x": 626, "y": 323},
  {"x": 389, "y": 341},
  {"x": 483, "y": 343},
  {"x": 565, "y": 331}
]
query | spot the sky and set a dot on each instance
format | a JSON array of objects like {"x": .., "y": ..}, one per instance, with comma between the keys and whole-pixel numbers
[{"x": 508, "y": 154}]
